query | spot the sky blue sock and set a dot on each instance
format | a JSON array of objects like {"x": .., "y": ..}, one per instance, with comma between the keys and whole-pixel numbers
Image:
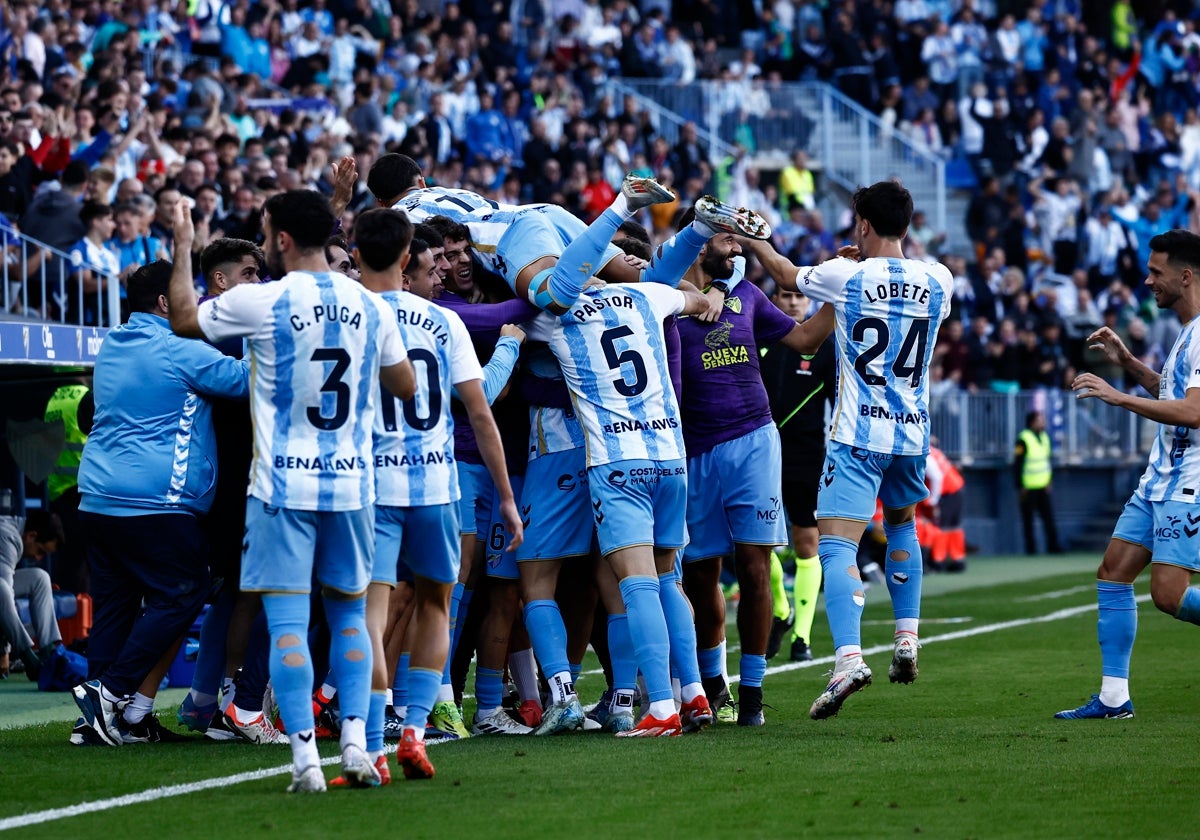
[
  {"x": 544, "y": 623},
  {"x": 681, "y": 629},
  {"x": 400, "y": 683},
  {"x": 904, "y": 576},
  {"x": 622, "y": 654},
  {"x": 674, "y": 257},
  {"x": 423, "y": 687},
  {"x": 287, "y": 615},
  {"x": 839, "y": 562},
  {"x": 350, "y": 654},
  {"x": 648, "y": 629},
  {"x": 710, "y": 661},
  {"x": 752, "y": 668},
  {"x": 582, "y": 258},
  {"x": 576, "y": 669},
  {"x": 1116, "y": 626},
  {"x": 375, "y": 721},
  {"x": 489, "y": 688},
  {"x": 1189, "y": 610}
]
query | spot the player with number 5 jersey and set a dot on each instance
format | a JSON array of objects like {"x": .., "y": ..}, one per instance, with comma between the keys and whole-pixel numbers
[{"x": 887, "y": 311}]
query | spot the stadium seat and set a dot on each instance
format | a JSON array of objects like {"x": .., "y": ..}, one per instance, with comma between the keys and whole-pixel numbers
[{"x": 74, "y": 613}]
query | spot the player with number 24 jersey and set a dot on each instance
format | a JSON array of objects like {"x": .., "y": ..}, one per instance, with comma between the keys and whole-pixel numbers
[{"x": 887, "y": 313}]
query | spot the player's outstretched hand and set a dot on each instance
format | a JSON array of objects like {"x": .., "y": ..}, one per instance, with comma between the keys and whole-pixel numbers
[
  {"x": 1090, "y": 385},
  {"x": 513, "y": 331},
  {"x": 716, "y": 303},
  {"x": 1107, "y": 341},
  {"x": 512, "y": 521},
  {"x": 185, "y": 231},
  {"x": 345, "y": 176},
  {"x": 849, "y": 252}
]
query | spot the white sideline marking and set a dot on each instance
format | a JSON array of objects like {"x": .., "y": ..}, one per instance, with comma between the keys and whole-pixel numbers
[
  {"x": 954, "y": 619},
  {"x": 254, "y": 775},
  {"x": 1058, "y": 593}
]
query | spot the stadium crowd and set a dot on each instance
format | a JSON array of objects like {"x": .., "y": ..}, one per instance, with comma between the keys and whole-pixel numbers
[{"x": 1078, "y": 145}]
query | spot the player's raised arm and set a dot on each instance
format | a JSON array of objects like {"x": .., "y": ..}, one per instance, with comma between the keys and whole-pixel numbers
[
  {"x": 782, "y": 270},
  {"x": 181, "y": 295},
  {"x": 807, "y": 337}
]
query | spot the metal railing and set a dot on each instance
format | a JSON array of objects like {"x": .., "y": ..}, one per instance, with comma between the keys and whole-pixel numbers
[
  {"x": 668, "y": 122},
  {"x": 981, "y": 429},
  {"x": 43, "y": 283},
  {"x": 852, "y": 146}
]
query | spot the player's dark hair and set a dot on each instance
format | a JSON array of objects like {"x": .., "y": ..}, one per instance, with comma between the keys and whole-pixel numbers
[
  {"x": 382, "y": 237},
  {"x": 227, "y": 250},
  {"x": 93, "y": 210},
  {"x": 416, "y": 248},
  {"x": 304, "y": 215},
  {"x": 449, "y": 229},
  {"x": 634, "y": 230},
  {"x": 686, "y": 216},
  {"x": 886, "y": 205},
  {"x": 146, "y": 284},
  {"x": 46, "y": 525},
  {"x": 391, "y": 175},
  {"x": 634, "y": 247},
  {"x": 1182, "y": 248},
  {"x": 432, "y": 238}
]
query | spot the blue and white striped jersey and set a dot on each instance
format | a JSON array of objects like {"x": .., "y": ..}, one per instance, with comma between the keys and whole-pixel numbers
[
  {"x": 486, "y": 219},
  {"x": 1173, "y": 472},
  {"x": 888, "y": 314},
  {"x": 414, "y": 438},
  {"x": 613, "y": 356},
  {"x": 315, "y": 342}
]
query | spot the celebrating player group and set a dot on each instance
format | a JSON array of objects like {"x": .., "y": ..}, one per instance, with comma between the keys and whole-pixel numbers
[{"x": 505, "y": 399}]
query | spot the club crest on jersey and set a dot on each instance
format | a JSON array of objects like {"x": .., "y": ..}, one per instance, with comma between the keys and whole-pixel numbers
[
  {"x": 722, "y": 352},
  {"x": 734, "y": 305}
]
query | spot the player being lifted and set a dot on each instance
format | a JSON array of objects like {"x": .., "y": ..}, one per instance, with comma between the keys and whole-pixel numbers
[
  {"x": 546, "y": 254},
  {"x": 887, "y": 311}
]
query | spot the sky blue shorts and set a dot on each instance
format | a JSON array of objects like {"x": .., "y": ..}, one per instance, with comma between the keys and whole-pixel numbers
[
  {"x": 639, "y": 502},
  {"x": 285, "y": 550},
  {"x": 416, "y": 541},
  {"x": 557, "y": 507},
  {"x": 501, "y": 563},
  {"x": 475, "y": 503},
  {"x": 1169, "y": 530},
  {"x": 853, "y": 478},
  {"x": 545, "y": 232},
  {"x": 735, "y": 495}
]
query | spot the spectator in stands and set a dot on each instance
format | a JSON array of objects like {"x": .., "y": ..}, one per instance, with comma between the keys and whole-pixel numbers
[
  {"x": 797, "y": 186},
  {"x": 97, "y": 263}
]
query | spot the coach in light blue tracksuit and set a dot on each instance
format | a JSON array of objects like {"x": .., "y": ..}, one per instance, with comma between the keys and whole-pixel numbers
[{"x": 148, "y": 473}]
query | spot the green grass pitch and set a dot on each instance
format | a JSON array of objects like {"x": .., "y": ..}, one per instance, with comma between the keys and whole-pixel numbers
[{"x": 969, "y": 750}]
